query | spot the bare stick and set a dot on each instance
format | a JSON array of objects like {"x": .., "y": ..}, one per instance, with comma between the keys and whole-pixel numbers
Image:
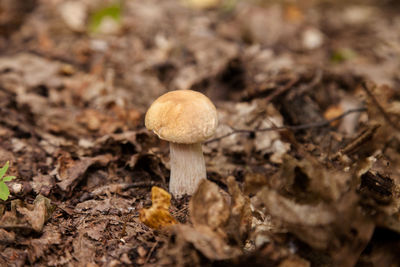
[
  {"x": 380, "y": 108},
  {"x": 290, "y": 127}
]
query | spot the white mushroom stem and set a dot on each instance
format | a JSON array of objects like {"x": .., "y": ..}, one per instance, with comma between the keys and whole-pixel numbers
[{"x": 187, "y": 168}]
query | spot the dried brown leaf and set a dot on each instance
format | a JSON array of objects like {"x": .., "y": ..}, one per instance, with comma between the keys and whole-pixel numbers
[
  {"x": 127, "y": 137},
  {"x": 108, "y": 122},
  {"x": 84, "y": 250},
  {"x": 95, "y": 230},
  {"x": 294, "y": 262},
  {"x": 6, "y": 237},
  {"x": 341, "y": 228},
  {"x": 308, "y": 180},
  {"x": 292, "y": 212},
  {"x": 207, "y": 241},
  {"x": 241, "y": 217},
  {"x": 42, "y": 184},
  {"x": 208, "y": 206},
  {"x": 158, "y": 215},
  {"x": 13, "y": 257},
  {"x": 39, "y": 246},
  {"x": 27, "y": 216},
  {"x": 72, "y": 172},
  {"x": 103, "y": 206}
]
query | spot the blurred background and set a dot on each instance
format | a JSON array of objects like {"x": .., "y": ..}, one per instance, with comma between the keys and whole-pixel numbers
[{"x": 221, "y": 47}]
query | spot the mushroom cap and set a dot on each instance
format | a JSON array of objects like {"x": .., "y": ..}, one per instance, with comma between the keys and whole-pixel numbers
[{"x": 182, "y": 116}]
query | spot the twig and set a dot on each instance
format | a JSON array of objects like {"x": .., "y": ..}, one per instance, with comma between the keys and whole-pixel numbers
[
  {"x": 282, "y": 89},
  {"x": 315, "y": 80},
  {"x": 278, "y": 90},
  {"x": 290, "y": 127},
  {"x": 357, "y": 142},
  {"x": 151, "y": 252},
  {"x": 380, "y": 108},
  {"x": 56, "y": 57}
]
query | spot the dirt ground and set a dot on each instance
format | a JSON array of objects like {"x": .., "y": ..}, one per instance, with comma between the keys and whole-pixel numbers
[{"x": 304, "y": 168}]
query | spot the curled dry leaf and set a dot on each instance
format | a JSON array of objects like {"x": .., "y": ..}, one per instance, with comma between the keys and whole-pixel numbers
[
  {"x": 128, "y": 137},
  {"x": 7, "y": 237},
  {"x": 42, "y": 184},
  {"x": 310, "y": 181},
  {"x": 27, "y": 216},
  {"x": 39, "y": 246},
  {"x": 158, "y": 216},
  {"x": 292, "y": 212},
  {"x": 71, "y": 172},
  {"x": 339, "y": 227},
  {"x": 205, "y": 240},
  {"x": 104, "y": 205},
  {"x": 13, "y": 257},
  {"x": 208, "y": 206},
  {"x": 239, "y": 223}
]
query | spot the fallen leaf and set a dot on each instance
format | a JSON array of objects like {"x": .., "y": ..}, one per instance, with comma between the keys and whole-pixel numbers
[
  {"x": 84, "y": 250},
  {"x": 293, "y": 13},
  {"x": 74, "y": 171},
  {"x": 158, "y": 216},
  {"x": 6, "y": 237},
  {"x": 74, "y": 15},
  {"x": 308, "y": 180},
  {"x": 207, "y": 241},
  {"x": 110, "y": 141},
  {"x": 13, "y": 257},
  {"x": 96, "y": 231},
  {"x": 294, "y": 213},
  {"x": 240, "y": 219},
  {"x": 42, "y": 184},
  {"x": 104, "y": 206},
  {"x": 208, "y": 206},
  {"x": 294, "y": 262},
  {"x": 27, "y": 216},
  {"x": 201, "y": 4},
  {"x": 332, "y": 112},
  {"x": 340, "y": 227},
  {"x": 51, "y": 236}
]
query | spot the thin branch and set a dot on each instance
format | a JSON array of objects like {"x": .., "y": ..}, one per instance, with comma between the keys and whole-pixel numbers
[
  {"x": 380, "y": 108},
  {"x": 282, "y": 89},
  {"x": 276, "y": 92},
  {"x": 290, "y": 127},
  {"x": 357, "y": 142}
]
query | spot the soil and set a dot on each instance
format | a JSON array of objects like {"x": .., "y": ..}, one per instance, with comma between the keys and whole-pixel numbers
[{"x": 303, "y": 170}]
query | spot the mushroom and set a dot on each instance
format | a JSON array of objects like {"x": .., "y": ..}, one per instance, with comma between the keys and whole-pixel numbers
[{"x": 185, "y": 118}]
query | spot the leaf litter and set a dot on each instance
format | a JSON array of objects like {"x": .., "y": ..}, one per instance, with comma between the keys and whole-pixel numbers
[{"x": 293, "y": 179}]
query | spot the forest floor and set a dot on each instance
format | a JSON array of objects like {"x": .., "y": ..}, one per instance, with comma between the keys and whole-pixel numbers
[{"x": 304, "y": 169}]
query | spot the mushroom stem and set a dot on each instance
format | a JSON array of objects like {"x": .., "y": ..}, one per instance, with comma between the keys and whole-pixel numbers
[{"x": 187, "y": 168}]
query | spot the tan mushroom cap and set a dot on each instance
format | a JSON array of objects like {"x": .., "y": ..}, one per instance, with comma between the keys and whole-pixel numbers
[{"x": 182, "y": 116}]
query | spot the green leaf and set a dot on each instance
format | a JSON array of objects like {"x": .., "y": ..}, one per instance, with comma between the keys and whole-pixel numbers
[
  {"x": 4, "y": 169},
  {"x": 112, "y": 11},
  {"x": 4, "y": 192},
  {"x": 8, "y": 178},
  {"x": 343, "y": 54}
]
